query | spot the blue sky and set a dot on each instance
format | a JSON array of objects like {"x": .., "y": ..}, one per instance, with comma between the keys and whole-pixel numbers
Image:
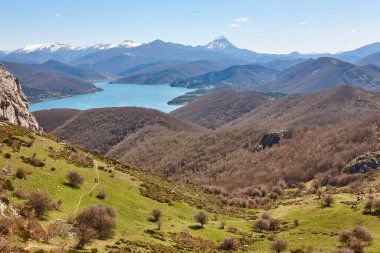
[{"x": 276, "y": 26}]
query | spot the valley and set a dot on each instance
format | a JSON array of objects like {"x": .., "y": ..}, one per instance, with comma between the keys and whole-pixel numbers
[{"x": 266, "y": 140}]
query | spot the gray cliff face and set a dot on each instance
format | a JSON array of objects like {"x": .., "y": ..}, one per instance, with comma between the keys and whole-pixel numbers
[{"x": 13, "y": 103}]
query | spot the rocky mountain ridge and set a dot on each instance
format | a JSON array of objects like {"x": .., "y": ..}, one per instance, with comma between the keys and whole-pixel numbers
[{"x": 14, "y": 106}]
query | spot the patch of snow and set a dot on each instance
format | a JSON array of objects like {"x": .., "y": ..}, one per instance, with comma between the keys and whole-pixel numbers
[
  {"x": 129, "y": 44},
  {"x": 219, "y": 43},
  {"x": 52, "y": 47}
]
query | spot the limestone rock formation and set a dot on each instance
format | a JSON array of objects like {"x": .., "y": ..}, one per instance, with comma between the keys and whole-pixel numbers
[
  {"x": 270, "y": 138},
  {"x": 364, "y": 163},
  {"x": 13, "y": 103}
]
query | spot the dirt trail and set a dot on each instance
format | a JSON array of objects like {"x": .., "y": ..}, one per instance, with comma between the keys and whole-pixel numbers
[{"x": 87, "y": 193}]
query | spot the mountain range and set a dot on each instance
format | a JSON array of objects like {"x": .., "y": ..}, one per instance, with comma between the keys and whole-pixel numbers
[
  {"x": 322, "y": 74},
  {"x": 52, "y": 79},
  {"x": 197, "y": 180},
  {"x": 63, "y": 69}
]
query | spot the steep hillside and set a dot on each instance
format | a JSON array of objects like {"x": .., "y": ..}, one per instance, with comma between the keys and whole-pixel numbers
[
  {"x": 176, "y": 72},
  {"x": 282, "y": 64},
  {"x": 321, "y": 108},
  {"x": 146, "y": 213},
  {"x": 13, "y": 103},
  {"x": 241, "y": 77},
  {"x": 130, "y": 193},
  {"x": 211, "y": 158},
  {"x": 161, "y": 144},
  {"x": 51, "y": 119},
  {"x": 65, "y": 69},
  {"x": 322, "y": 74},
  {"x": 151, "y": 67},
  {"x": 371, "y": 59},
  {"x": 217, "y": 109},
  {"x": 231, "y": 158},
  {"x": 39, "y": 83},
  {"x": 100, "y": 129}
]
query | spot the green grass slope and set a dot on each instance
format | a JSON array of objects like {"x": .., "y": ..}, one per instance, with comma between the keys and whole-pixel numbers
[{"x": 133, "y": 194}]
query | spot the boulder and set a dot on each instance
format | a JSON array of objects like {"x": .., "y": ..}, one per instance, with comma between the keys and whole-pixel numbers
[
  {"x": 364, "y": 163},
  {"x": 271, "y": 138}
]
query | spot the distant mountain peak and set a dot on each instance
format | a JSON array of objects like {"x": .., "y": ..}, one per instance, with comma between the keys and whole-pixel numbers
[
  {"x": 129, "y": 43},
  {"x": 220, "y": 43},
  {"x": 56, "y": 46},
  {"x": 52, "y": 47}
]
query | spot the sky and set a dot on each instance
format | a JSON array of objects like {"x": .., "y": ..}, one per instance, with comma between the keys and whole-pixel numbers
[{"x": 271, "y": 26}]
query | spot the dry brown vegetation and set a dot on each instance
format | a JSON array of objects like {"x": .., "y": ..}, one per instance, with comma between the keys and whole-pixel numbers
[
  {"x": 51, "y": 119},
  {"x": 325, "y": 131},
  {"x": 322, "y": 108},
  {"x": 100, "y": 129},
  {"x": 217, "y": 109},
  {"x": 227, "y": 157}
]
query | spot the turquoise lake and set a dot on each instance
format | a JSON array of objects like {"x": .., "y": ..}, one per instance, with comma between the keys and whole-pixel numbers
[{"x": 118, "y": 95}]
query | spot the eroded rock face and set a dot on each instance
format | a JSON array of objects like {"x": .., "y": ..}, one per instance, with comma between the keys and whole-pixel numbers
[
  {"x": 364, "y": 163},
  {"x": 14, "y": 106}
]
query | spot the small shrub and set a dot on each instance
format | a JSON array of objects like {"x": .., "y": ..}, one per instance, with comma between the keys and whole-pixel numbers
[
  {"x": 21, "y": 174},
  {"x": 99, "y": 217},
  {"x": 278, "y": 190},
  {"x": 36, "y": 162},
  {"x": 156, "y": 214},
  {"x": 201, "y": 218},
  {"x": 85, "y": 235},
  {"x": 5, "y": 225},
  {"x": 7, "y": 185},
  {"x": 222, "y": 225},
  {"x": 52, "y": 168},
  {"x": 273, "y": 224},
  {"x": 328, "y": 200},
  {"x": 40, "y": 203},
  {"x": 279, "y": 245},
  {"x": 37, "y": 231},
  {"x": 273, "y": 195},
  {"x": 4, "y": 199},
  {"x": 228, "y": 244},
  {"x": 74, "y": 178},
  {"x": 261, "y": 224},
  {"x": 21, "y": 194},
  {"x": 356, "y": 239},
  {"x": 296, "y": 222},
  {"x": 101, "y": 194},
  {"x": 7, "y": 155}
]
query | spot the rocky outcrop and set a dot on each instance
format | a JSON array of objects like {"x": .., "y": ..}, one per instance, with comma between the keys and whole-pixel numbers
[
  {"x": 270, "y": 138},
  {"x": 13, "y": 103},
  {"x": 363, "y": 163}
]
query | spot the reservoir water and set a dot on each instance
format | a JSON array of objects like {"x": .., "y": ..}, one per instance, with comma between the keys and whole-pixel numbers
[{"x": 118, "y": 95}]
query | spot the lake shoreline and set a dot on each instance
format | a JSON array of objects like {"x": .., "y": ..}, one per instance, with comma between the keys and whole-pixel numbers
[{"x": 117, "y": 95}]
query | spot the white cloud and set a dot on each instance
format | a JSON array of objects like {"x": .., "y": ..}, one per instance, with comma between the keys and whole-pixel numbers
[
  {"x": 58, "y": 14},
  {"x": 302, "y": 23},
  {"x": 353, "y": 31},
  {"x": 241, "y": 20},
  {"x": 238, "y": 22}
]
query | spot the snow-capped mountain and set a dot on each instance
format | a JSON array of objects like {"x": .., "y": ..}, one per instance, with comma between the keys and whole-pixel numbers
[
  {"x": 129, "y": 44},
  {"x": 219, "y": 43},
  {"x": 54, "y": 47},
  {"x": 50, "y": 47}
]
